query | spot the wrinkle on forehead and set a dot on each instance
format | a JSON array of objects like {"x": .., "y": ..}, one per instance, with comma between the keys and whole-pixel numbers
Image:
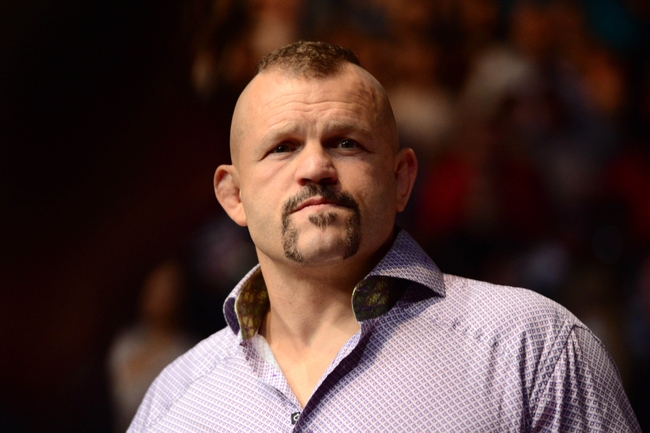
[{"x": 251, "y": 102}]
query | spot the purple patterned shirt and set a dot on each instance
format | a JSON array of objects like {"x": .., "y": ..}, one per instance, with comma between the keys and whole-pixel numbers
[{"x": 435, "y": 353}]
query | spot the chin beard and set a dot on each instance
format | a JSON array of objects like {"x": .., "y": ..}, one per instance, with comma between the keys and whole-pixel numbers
[{"x": 321, "y": 220}]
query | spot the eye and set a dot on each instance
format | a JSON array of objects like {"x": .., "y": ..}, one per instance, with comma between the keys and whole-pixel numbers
[
  {"x": 347, "y": 144},
  {"x": 281, "y": 148}
]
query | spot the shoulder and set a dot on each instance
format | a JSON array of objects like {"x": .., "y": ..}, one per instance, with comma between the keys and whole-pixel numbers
[
  {"x": 495, "y": 305},
  {"x": 503, "y": 318},
  {"x": 178, "y": 376}
]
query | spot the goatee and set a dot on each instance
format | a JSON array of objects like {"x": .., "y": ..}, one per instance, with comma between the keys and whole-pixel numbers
[{"x": 321, "y": 220}]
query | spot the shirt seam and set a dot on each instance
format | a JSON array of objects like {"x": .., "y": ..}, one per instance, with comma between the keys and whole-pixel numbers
[
  {"x": 488, "y": 340},
  {"x": 546, "y": 381}
]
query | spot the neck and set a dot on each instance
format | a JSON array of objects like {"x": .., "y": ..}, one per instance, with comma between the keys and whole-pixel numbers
[
  {"x": 306, "y": 301},
  {"x": 310, "y": 315}
]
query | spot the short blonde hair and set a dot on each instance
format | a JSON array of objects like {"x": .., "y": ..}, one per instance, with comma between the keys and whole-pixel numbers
[{"x": 309, "y": 59}]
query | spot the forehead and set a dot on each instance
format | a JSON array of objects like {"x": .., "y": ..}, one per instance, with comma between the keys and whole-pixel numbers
[
  {"x": 350, "y": 83},
  {"x": 276, "y": 99}
]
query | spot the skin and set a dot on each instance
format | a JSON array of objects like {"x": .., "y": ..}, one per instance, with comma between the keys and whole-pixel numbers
[{"x": 292, "y": 138}]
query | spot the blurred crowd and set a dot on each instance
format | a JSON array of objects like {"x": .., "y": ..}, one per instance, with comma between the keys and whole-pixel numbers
[{"x": 531, "y": 122}]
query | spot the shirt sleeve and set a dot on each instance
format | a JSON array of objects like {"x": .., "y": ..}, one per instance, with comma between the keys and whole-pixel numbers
[
  {"x": 146, "y": 411},
  {"x": 584, "y": 392}
]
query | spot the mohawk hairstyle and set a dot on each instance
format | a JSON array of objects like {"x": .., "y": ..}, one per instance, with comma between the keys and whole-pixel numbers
[{"x": 309, "y": 59}]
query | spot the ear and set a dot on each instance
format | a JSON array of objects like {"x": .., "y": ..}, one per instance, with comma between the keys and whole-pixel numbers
[
  {"x": 406, "y": 169},
  {"x": 226, "y": 188}
]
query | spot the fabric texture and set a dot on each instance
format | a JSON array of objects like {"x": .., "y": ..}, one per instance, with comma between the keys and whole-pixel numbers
[{"x": 435, "y": 353}]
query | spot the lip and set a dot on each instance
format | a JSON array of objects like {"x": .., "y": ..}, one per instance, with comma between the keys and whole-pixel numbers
[{"x": 314, "y": 201}]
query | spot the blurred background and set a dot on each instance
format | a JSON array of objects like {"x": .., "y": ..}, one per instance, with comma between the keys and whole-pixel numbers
[{"x": 531, "y": 120}]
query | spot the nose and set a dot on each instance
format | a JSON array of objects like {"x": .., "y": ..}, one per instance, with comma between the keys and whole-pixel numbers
[{"x": 315, "y": 165}]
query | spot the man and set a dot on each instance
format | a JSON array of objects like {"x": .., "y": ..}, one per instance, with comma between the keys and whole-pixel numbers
[{"x": 346, "y": 324}]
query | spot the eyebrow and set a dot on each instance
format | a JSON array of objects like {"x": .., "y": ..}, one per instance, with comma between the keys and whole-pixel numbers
[
  {"x": 345, "y": 126},
  {"x": 331, "y": 128},
  {"x": 275, "y": 134}
]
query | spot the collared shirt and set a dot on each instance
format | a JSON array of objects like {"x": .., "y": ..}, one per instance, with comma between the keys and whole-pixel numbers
[{"x": 434, "y": 353}]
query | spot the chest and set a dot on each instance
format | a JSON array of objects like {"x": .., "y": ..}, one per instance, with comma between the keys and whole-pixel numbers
[{"x": 376, "y": 387}]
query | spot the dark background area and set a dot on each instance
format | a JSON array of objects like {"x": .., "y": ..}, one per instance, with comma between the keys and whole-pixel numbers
[
  {"x": 107, "y": 151},
  {"x": 105, "y": 167}
]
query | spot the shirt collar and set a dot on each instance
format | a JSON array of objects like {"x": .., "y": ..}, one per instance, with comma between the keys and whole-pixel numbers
[{"x": 373, "y": 296}]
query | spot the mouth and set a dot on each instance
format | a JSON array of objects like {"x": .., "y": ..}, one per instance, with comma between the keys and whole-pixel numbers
[
  {"x": 315, "y": 201},
  {"x": 318, "y": 195}
]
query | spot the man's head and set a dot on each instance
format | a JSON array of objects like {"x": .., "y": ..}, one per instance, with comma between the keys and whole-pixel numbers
[
  {"x": 302, "y": 61},
  {"x": 317, "y": 174}
]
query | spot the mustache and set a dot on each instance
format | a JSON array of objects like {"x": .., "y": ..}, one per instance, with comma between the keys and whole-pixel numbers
[{"x": 328, "y": 192}]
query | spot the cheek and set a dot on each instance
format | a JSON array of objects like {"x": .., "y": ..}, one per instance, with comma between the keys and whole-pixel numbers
[
  {"x": 376, "y": 195},
  {"x": 253, "y": 208},
  {"x": 262, "y": 201},
  {"x": 258, "y": 190},
  {"x": 379, "y": 181}
]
